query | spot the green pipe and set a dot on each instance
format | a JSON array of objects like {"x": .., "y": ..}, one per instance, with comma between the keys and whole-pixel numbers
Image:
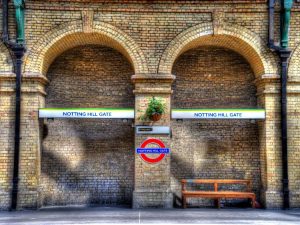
[
  {"x": 285, "y": 22},
  {"x": 20, "y": 20}
]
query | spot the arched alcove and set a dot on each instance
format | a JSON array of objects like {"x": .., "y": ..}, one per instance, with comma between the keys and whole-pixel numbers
[
  {"x": 214, "y": 77},
  {"x": 83, "y": 159}
]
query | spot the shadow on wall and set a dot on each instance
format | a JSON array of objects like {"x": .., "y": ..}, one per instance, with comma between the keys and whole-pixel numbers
[
  {"x": 88, "y": 161},
  {"x": 74, "y": 187},
  {"x": 80, "y": 170}
]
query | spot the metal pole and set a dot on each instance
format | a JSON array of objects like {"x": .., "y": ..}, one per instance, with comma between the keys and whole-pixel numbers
[
  {"x": 18, "y": 51},
  {"x": 284, "y": 56}
]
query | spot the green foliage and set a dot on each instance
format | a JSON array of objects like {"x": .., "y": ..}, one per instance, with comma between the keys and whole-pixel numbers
[{"x": 155, "y": 106}]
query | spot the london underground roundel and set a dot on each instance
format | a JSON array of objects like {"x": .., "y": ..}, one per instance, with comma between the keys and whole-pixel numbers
[{"x": 161, "y": 151}]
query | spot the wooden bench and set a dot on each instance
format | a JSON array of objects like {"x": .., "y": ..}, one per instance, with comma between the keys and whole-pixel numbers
[{"x": 216, "y": 194}]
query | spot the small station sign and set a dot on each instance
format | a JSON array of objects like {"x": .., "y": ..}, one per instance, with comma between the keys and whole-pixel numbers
[
  {"x": 161, "y": 150},
  {"x": 152, "y": 130}
]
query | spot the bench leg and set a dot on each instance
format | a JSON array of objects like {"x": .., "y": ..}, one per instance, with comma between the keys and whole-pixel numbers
[
  {"x": 253, "y": 202},
  {"x": 217, "y": 203},
  {"x": 184, "y": 202}
]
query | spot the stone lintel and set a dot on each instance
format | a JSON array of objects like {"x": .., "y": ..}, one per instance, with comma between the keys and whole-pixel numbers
[
  {"x": 153, "y": 78},
  {"x": 32, "y": 76},
  {"x": 153, "y": 83},
  {"x": 152, "y": 91},
  {"x": 8, "y": 76},
  {"x": 8, "y": 83},
  {"x": 24, "y": 91},
  {"x": 270, "y": 84},
  {"x": 267, "y": 84},
  {"x": 267, "y": 79}
]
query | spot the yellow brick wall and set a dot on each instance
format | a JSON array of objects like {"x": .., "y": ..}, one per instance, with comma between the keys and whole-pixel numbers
[
  {"x": 294, "y": 112},
  {"x": 88, "y": 161},
  {"x": 151, "y": 36},
  {"x": 210, "y": 77}
]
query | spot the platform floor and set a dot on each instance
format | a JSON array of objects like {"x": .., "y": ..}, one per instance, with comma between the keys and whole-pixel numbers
[{"x": 96, "y": 215}]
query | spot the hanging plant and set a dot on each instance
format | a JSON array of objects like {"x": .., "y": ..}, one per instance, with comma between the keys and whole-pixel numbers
[{"x": 155, "y": 109}]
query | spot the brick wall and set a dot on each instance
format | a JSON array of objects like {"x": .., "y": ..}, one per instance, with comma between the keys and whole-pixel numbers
[
  {"x": 88, "y": 161},
  {"x": 209, "y": 77},
  {"x": 150, "y": 27}
]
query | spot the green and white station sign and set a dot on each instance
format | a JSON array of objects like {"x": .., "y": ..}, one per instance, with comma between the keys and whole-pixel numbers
[
  {"x": 218, "y": 114},
  {"x": 113, "y": 113},
  {"x": 125, "y": 113}
]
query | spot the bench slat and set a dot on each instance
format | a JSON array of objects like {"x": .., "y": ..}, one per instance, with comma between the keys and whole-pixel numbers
[
  {"x": 212, "y": 181},
  {"x": 219, "y": 194}
]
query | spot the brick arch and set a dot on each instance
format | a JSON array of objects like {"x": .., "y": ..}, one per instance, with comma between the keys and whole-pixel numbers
[
  {"x": 233, "y": 37},
  {"x": 71, "y": 34},
  {"x": 6, "y": 63},
  {"x": 294, "y": 68}
]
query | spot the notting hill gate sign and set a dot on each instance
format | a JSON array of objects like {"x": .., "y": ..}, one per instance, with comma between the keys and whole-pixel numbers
[{"x": 126, "y": 113}]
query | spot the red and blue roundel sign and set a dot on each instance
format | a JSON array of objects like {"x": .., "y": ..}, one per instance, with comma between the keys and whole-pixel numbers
[{"x": 143, "y": 151}]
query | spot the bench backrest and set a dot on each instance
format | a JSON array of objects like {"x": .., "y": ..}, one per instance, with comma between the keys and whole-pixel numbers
[{"x": 215, "y": 182}]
